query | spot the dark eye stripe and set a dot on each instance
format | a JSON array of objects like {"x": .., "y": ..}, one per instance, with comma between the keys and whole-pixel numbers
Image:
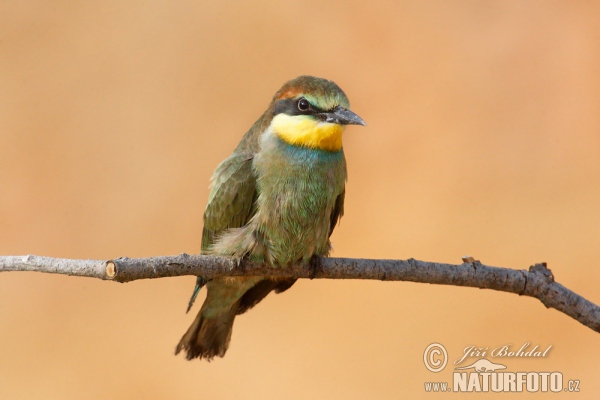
[{"x": 290, "y": 107}]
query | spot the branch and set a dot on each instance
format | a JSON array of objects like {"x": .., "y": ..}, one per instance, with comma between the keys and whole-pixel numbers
[{"x": 538, "y": 282}]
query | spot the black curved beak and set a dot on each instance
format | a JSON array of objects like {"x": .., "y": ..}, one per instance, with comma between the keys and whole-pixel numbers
[{"x": 342, "y": 116}]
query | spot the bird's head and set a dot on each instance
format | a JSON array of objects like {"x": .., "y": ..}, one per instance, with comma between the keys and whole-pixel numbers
[{"x": 312, "y": 112}]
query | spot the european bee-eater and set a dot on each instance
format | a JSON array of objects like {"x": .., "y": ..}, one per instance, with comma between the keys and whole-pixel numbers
[{"x": 276, "y": 199}]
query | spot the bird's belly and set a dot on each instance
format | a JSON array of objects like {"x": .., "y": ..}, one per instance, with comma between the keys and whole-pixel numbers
[
  {"x": 297, "y": 193},
  {"x": 293, "y": 220}
]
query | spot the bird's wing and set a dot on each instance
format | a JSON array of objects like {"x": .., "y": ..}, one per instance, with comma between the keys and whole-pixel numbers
[
  {"x": 337, "y": 212},
  {"x": 230, "y": 203},
  {"x": 231, "y": 200}
]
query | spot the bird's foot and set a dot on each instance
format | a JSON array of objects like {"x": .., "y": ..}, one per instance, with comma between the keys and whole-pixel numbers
[{"x": 236, "y": 263}]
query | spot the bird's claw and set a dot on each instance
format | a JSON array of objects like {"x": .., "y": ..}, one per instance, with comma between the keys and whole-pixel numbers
[{"x": 236, "y": 263}]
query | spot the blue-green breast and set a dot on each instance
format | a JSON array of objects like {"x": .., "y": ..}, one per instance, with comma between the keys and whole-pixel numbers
[{"x": 298, "y": 188}]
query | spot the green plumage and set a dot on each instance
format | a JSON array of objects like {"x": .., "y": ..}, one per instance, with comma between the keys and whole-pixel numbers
[{"x": 270, "y": 201}]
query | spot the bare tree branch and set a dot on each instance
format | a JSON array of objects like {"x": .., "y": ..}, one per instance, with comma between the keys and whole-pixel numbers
[{"x": 538, "y": 282}]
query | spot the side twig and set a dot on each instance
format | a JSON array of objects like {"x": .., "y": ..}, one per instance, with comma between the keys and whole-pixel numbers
[{"x": 537, "y": 282}]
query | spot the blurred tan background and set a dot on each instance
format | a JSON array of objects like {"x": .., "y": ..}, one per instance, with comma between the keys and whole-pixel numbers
[{"x": 483, "y": 138}]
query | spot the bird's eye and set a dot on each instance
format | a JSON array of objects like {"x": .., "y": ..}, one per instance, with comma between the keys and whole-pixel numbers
[{"x": 303, "y": 104}]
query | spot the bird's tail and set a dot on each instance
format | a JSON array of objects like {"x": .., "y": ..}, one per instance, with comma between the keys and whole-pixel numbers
[
  {"x": 226, "y": 297},
  {"x": 208, "y": 336},
  {"x": 200, "y": 282}
]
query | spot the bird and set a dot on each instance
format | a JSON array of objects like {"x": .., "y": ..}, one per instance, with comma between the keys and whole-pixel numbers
[{"x": 276, "y": 199}]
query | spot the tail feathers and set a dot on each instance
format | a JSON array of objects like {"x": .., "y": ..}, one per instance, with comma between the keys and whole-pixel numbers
[
  {"x": 200, "y": 282},
  {"x": 208, "y": 337},
  {"x": 209, "y": 334}
]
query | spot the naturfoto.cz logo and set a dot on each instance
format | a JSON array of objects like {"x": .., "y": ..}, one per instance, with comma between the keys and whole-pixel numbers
[{"x": 484, "y": 375}]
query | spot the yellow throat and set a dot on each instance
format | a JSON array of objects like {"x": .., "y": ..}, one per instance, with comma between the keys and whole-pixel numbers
[{"x": 303, "y": 130}]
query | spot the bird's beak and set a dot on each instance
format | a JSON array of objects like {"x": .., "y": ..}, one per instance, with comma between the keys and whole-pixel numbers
[{"x": 342, "y": 116}]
